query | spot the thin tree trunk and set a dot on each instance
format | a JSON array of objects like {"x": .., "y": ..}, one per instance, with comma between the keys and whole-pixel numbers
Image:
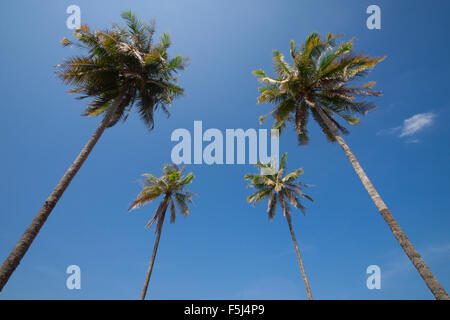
[
  {"x": 423, "y": 269},
  {"x": 165, "y": 203},
  {"x": 24, "y": 243},
  {"x": 300, "y": 262}
]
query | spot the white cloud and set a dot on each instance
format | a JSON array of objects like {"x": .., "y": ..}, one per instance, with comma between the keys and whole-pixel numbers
[
  {"x": 417, "y": 123},
  {"x": 411, "y": 126},
  {"x": 389, "y": 131},
  {"x": 400, "y": 264}
]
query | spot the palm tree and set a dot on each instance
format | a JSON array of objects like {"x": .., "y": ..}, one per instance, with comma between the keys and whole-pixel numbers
[
  {"x": 283, "y": 188},
  {"x": 122, "y": 68},
  {"x": 172, "y": 186},
  {"x": 320, "y": 82}
]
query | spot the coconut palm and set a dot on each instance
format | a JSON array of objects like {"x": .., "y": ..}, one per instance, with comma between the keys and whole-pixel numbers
[
  {"x": 172, "y": 187},
  {"x": 122, "y": 68},
  {"x": 321, "y": 82},
  {"x": 275, "y": 186}
]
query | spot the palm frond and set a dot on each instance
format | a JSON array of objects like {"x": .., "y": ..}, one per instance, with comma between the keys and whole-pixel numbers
[
  {"x": 320, "y": 77},
  {"x": 172, "y": 184},
  {"x": 123, "y": 59},
  {"x": 277, "y": 188}
]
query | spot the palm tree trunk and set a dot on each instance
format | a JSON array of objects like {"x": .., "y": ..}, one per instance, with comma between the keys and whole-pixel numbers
[
  {"x": 24, "y": 243},
  {"x": 300, "y": 262},
  {"x": 165, "y": 204},
  {"x": 423, "y": 269}
]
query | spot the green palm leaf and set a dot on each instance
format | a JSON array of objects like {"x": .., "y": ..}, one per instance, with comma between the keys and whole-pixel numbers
[
  {"x": 123, "y": 59},
  {"x": 277, "y": 187},
  {"x": 320, "y": 76},
  {"x": 172, "y": 185}
]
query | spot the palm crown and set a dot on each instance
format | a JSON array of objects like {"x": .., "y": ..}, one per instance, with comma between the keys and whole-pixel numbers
[
  {"x": 123, "y": 63},
  {"x": 277, "y": 187},
  {"x": 172, "y": 184},
  {"x": 319, "y": 78}
]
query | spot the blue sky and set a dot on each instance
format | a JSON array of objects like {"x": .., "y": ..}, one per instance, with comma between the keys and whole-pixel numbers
[{"x": 227, "y": 249}]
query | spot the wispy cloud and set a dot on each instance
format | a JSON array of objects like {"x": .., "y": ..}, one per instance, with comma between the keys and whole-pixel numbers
[
  {"x": 417, "y": 123},
  {"x": 401, "y": 264},
  {"x": 394, "y": 130},
  {"x": 411, "y": 126}
]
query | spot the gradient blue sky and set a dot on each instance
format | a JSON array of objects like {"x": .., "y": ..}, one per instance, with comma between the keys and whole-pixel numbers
[{"x": 226, "y": 249}]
